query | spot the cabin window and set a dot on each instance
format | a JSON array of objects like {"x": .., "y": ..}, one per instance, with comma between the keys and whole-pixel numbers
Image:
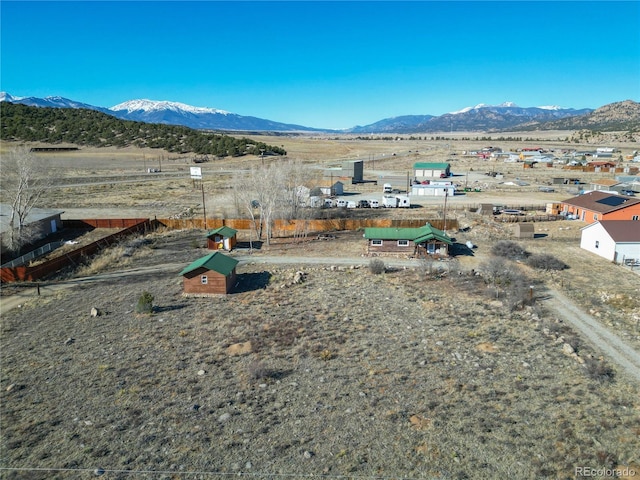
[
  {"x": 403, "y": 243},
  {"x": 597, "y": 244},
  {"x": 203, "y": 279},
  {"x": 376, "y": 243},
  {"x": 431, "y": 248}
]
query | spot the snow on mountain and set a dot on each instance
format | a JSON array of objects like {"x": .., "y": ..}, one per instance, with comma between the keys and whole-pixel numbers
[
  {"x": 148, "y": 106},
  {"x": 551, "y": 107},
  {"x": 482, "y": 105},
  {"x": 503, "y": 105},
  {"x": 5, "y": 97}
]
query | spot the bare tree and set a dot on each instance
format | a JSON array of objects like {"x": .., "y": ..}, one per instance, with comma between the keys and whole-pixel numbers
[
  {"x": 271, "y": 190},
  {"x": 24, "y": 180},
  {"x": 246, "y": 202}
]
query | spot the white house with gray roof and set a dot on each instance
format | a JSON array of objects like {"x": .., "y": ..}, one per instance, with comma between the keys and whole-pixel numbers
[{"x": 615, "y": 240}]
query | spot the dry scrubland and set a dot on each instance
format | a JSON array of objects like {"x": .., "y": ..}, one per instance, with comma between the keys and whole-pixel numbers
[
  {"x": 112, "y": 182},
  {"x": 403, "y": 374},
  {"x": 406, "y": 374}
]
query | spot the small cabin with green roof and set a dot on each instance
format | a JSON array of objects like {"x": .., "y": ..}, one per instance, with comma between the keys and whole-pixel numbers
[
  {"x": 222, "y": 238},
  {"x": 422, "y": 241},
  {"x": 213, "y": 274}
]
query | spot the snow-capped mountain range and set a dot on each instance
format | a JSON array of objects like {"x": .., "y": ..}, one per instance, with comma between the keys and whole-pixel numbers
[
  {"x": 505, "y": 104},
  {"x": 482, "y": 117},
  {"x": 151, "y": 106}
]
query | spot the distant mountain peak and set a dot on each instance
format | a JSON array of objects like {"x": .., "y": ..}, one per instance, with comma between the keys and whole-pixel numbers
[
  {"x": 5, "y": 97},
  {"x": 484, "y": 105},
  {"x": 148, "y": 106},
  {"x": 551, "y": 107}
]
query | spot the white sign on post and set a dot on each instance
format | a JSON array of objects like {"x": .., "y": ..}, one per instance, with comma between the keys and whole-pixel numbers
[{"x": 196, "y": 173}]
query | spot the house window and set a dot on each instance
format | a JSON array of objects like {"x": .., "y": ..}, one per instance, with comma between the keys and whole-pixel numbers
[
  {"x": 403, "y": 243},
  {"x": 595, "y": 217},
  {"x": 597, "y": 244},
  {"x": 635, "y": 217},
  {"x": 431, "y": 248},
  {"x": 376, "y": 243},
  {"x": 203, "y": 279}
]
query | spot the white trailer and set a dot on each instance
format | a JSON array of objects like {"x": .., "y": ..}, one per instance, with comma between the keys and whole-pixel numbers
[
  {"x": 403, "y": 201},
  {"x": 389, "y": 201}
]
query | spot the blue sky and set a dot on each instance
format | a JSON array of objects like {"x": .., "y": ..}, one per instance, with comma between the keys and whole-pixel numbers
[{"x": 324, "y": 64}]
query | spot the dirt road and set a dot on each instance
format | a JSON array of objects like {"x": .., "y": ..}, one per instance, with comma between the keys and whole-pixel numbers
[{"x": 599, "y": 336}]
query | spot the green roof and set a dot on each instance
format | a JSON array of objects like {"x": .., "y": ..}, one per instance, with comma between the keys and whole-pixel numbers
[
  {"x": 418, "y": 235},
  {"x": 224, "y": 231},
  {"x": 215, "y": 261},
  {"x": 435, "y": 166}
]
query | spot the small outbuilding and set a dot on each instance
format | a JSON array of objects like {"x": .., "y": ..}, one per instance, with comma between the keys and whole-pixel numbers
[
  {"x": 524, "y": 230},
  {"x": 332, "y": 189},
  {"x": 223, "y": 238},
  {"x": 213, "y": 274}
]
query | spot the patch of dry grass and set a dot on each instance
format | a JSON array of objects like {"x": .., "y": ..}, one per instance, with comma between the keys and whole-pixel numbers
[{"x": 349, "y": 373}]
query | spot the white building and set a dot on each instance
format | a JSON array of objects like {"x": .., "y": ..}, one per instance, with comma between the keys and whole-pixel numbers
[
  {"x": 614, "y": 240},
  {"x": 434, "y": 189},
  {"x": 336, "y": 188}
]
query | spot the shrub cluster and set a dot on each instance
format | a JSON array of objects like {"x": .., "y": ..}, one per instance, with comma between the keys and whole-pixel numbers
[
  {"x": 377, "y": 266},
  {"x": 145, "y": 303},
  {"x": 509, "y": 250},
  {"x": 599, "y": 370},
  {"x": 506, "y": 281},
  {"x": 544, "y": 261}
]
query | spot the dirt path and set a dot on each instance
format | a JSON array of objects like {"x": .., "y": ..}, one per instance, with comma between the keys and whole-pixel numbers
[
  {"x": 15, "y": 300},
  {"x": 599, "y": 336}
]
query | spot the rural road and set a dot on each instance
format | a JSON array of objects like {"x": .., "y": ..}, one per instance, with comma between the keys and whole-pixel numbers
[
  {"x": 598, "y": 336},
  {"x": 609, "y": 344}
]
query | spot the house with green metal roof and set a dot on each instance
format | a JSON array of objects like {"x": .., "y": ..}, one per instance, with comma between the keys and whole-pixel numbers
[
  {"x": 212, "y": 274},
  {"x": 421, "y": 241},
  {"x": 222, "y": 238},
  {"x": 428, "y": 171}
]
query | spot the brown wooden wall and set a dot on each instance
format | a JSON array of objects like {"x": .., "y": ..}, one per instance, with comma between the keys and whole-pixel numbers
[
  {"x": 216, "y": 283},
  {"x": 289, "y": 228},
  {"x": 74, "y": 257},
  {"x": 391, "y": 246},
  {"x": 103, "y": 222}
]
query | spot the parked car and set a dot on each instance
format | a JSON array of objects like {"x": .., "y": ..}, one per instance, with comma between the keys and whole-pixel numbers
[
  {"x": 341, "y": 203},
  {"x": 374, "y": 203},
  {"x": 363, "y": 204},
  {"x": 546, "y": 189}
]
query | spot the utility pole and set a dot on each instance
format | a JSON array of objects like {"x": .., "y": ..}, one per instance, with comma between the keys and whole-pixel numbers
[
  {"x": 444, "y": 213},
  {"x": 204, "y": 208}
]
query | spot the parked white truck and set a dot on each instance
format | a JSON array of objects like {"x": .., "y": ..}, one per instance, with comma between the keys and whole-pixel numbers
[{"x": 386, "y": 188}]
